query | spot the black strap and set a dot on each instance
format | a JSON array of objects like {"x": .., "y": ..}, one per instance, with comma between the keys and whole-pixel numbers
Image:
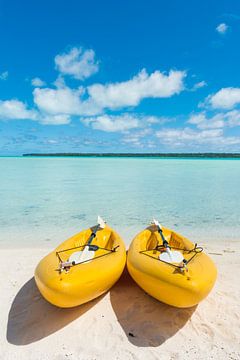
[
  {"x": 196, "y": 251},
  {"x": 91, "y": 248}
]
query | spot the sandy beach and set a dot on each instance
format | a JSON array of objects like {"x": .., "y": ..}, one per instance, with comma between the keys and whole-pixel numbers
[{"x": 125, "y": 323}]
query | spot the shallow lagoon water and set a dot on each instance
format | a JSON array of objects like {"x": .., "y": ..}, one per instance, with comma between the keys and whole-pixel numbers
[{"x": 44, "y": 200}]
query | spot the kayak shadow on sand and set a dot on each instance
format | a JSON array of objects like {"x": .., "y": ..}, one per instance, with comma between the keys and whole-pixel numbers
[
  {"x": 145, "y": 321},
  {"x": 32, "y": 318}
]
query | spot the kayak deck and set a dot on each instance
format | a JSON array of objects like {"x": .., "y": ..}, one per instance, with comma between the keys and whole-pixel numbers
[
  {"x": 83, "y": 282},
  {"x": 171, "y": 283}
]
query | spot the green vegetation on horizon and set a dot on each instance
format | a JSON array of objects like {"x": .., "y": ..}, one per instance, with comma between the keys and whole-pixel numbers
[{"x": 162, "y": 155}]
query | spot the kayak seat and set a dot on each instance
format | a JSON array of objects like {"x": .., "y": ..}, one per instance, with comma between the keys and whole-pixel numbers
[
  {"x": 110, "y": 242},
  {"x": 155, "y": 239},
  {"x": 102, "y": 238},
  {"x": 174, "y": 241},
  {"x": 152, "y": 242},
  {"x": 80, "y": 241}
]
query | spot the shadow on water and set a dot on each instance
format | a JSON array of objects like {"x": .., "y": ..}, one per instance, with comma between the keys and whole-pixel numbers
[
  {"x": 32, "y": 318},
  {"x": 145, "y": 321}
]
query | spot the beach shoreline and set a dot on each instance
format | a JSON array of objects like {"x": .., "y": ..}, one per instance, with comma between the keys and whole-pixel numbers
[{"x": 125, "y": 323}]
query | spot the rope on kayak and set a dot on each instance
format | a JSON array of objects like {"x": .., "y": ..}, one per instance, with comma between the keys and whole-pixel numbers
[
  {"x": 96, "y": 247},
  {"x": 160, "y": 248}
]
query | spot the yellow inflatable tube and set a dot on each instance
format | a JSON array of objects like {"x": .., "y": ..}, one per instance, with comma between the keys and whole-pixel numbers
[
  {"x": 178, "y": 284},
  {"x": 68, "y": 285}
]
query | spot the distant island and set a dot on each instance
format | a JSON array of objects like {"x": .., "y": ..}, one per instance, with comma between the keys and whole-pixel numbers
[{"x": 160, "y": 155}]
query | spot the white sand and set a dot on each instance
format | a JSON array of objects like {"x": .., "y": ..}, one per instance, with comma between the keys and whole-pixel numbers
[{"x": 33, "y": 329}]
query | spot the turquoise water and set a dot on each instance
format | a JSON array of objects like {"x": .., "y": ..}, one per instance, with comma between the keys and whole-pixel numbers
[{"x": 45, "y": 200}]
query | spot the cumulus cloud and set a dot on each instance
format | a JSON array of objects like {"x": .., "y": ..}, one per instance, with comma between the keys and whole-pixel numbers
[
  {"x": 78, "y": 63},
  {"x": 151, "y": 120},
  {"x": 203, "y": 122},
  {"x": 64, "y": 101},
  {"x": 55, "y": 101},
  {"x": 222, "y": 28},
  {"x": 113, "y": 123},
  {"x": 223, "y": 119},
  {"x": 194, "y": 138},
  {"x": 60, "y": 119},
  {"x": 15, "y": 110},
  {"x": 96, "y": 98},
  {"x": 131, "y": 92},
  {"x": 226, "y": 98},
  {"x": 124, "y": 122},
  {"x": 37, "y": 82},
  {"x": 232, "y": 118},
  {"x": 58, "y": 104},
  {"x": 179, "y": 136},
  {"x": 4, "y": 75}
]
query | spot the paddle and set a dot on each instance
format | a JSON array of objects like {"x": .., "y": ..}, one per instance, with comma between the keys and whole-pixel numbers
[
  {"x": 169, "y": 255},
  {"x": 88, "y": 251}
]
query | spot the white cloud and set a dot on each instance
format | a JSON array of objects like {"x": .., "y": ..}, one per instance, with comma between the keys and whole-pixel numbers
[
  {"x": 59, "y": 82},
  {"x": 52, "y": 141},
  {"x": 204, "y": 122},
  {"x": 96, "y": 98},
  {"x": 226, "y": 98},
  {"x": 217, "y": 121},
  {"x": 15, "y": 110},
  {"x": 55, "y": 101},
  {"x": 189, "y": 137},
  {"x": 124, "y": 122},
  {"x": 4, "y": 75},
  {"x": 222, "y": 28},
  {"x": 138, "y": 138},
  {"x": 60, "y": 119},
  {"x": 37, "y": 82},
  {"x": 113, "y": 123},
  {"x": 131, "y": 92},
  {"x": 180, "y": 136},
  {"x": 233, "y": 118},
  {"x": 199, "y": 85},
  {"x": 156, "y": 119},
  {"x": 78, "y": 63},
  {"x": 64, "y": 101}
]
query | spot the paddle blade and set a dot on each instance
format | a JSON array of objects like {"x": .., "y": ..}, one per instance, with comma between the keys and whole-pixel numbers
[
  {"x": 155, "y": 222},
  {"x": 80, "y": 256},
  {"x": 101, "y": 222},
  {"x": 171, "y": 256}
]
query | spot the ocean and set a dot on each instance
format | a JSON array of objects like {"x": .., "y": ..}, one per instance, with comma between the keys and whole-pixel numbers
[{"x": 44, "y": 200}]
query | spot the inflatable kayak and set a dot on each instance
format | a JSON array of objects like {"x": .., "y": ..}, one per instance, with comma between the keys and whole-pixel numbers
[
  {"x": 169, "y": 267},
  {"x": 82, "y": 267}
]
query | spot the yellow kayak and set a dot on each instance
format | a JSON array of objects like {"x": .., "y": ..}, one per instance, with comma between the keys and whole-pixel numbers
[
  {"x": 169, "y": 267},
  {"x": 80, "y": 270}
]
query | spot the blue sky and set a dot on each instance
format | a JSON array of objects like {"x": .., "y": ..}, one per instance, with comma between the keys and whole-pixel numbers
[{"x": 129, "y": 76}]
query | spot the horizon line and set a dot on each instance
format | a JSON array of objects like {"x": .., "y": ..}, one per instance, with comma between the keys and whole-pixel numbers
[{"x": 111, "y": 154}]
